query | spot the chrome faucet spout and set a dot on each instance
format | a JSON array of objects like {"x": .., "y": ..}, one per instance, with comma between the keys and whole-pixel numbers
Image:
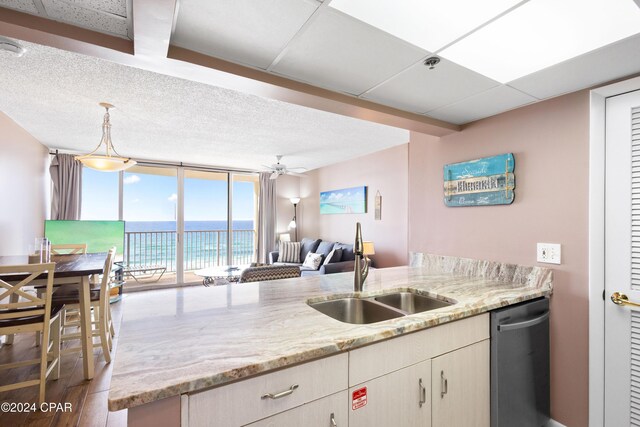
[{"x": 361, "y": 267}]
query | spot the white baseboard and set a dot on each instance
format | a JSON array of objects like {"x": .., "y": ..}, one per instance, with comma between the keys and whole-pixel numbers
[{"x": 554, "y": 423}]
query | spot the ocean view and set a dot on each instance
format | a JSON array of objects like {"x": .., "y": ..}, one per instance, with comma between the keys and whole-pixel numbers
[{"x": 205, "y": 243}]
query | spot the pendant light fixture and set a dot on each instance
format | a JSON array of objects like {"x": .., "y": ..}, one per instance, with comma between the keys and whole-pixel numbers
[{"x": 111, "y": 161}]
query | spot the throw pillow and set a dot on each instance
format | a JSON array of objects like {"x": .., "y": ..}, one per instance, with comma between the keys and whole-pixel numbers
[
  {"x": 289, "y": 252},
  {"x": 334, "y": 256},
  {"x": 312, "y": 261}
]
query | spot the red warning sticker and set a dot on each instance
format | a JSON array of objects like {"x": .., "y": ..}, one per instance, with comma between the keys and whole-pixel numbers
[{"x": 359, "y": 398}]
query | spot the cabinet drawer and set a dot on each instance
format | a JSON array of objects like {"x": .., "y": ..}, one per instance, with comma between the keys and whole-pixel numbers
[
  {"x": 396, "y": 353},
  {"x": 313, "y": 414},
  {"x": 242, "y": 402}
]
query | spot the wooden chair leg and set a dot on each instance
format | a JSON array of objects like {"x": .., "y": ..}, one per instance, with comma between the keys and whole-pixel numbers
[
  {"x": 55, "y": 335},
  {"x": 43, "y": 364},
  {"x": 104, "y": 332},
  {"x": 38, "y": 338},
  {"x": 111, "y": 330},
  {"x": 12, "y": 299}
]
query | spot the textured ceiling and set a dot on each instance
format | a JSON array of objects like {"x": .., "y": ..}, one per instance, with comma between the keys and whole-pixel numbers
[{"x": 54, "y": 95}]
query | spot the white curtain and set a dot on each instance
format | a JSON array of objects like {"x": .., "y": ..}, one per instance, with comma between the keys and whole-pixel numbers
[
  {"x": 266, "y": 217},
  {"x": 66, "y": 175}
]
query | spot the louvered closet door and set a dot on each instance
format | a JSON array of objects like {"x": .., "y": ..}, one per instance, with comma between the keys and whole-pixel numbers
[{"x": 622, "y": 260}]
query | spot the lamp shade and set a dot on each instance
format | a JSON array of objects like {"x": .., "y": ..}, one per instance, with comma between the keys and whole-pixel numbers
[
  {"x": 106, "y": 163},
  {"x": 368, "y": 249},
  {"x": 292, "y": 224},
  {"x": 295, "y": 200},
  {"x": 285, "y": 237}
]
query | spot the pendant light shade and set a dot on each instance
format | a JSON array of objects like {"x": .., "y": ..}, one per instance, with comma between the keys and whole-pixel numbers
[{"x": 111, "y": 161}]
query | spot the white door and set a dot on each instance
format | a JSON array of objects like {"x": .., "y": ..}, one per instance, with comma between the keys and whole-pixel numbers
[{"x": 622, "y": 260}]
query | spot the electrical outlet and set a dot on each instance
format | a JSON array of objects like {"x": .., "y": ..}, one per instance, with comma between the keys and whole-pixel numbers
[{"x": 549, "y": 253}]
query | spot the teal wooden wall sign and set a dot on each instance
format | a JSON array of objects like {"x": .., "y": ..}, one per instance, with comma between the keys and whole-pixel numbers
[{"x": 481, "y": 182}]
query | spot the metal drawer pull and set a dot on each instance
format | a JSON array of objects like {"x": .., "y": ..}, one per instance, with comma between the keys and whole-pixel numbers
[
  {"x": 423, "y": 393},
  {"x": 444, "y": 385},
  {"x": 333, "y": 420},
  {"x": 281, "y": 394}
]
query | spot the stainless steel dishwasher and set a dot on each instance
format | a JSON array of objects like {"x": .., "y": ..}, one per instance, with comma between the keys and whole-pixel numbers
[{"x": 520, "y": 365}]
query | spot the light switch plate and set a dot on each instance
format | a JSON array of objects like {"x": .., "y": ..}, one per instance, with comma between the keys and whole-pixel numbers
[{"x": 549, "y": 253}]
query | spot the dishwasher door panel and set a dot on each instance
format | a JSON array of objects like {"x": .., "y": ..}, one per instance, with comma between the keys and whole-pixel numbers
[{"x": 520, "y": 365}]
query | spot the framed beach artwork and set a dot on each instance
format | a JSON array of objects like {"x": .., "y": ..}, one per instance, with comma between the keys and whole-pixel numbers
[{"x": 347, "y": 200}]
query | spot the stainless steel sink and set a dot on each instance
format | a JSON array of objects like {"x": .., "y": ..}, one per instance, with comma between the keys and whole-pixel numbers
[
  {"x": 411, "y": 303},
  {"x": 356, "y": 310}
]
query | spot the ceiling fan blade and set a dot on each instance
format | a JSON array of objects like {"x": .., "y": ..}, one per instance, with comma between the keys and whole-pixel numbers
[
  {"x": 288, "y": 172},
  {"x": 298, "y": 169}
]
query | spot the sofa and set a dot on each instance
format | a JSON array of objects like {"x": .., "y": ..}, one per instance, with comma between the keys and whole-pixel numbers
[{"x": 319, "y": 246}]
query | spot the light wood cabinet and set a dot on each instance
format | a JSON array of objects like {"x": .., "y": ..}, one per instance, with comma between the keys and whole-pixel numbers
[
  {"x": 437, "y": 377},
  {"x": 460, "y": 387},
  {"x": 401, "y": 398},
  {"x": 330, "y": 411}
]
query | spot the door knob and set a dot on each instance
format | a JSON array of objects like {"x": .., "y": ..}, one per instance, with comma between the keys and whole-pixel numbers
[{"x": 619, "y": 298}]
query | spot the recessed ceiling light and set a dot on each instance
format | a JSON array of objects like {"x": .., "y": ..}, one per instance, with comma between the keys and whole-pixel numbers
[
  {"x": 430, "y": 25},
  {"x": 542, "y": 33},
  {"x": 11, "y": 46}
]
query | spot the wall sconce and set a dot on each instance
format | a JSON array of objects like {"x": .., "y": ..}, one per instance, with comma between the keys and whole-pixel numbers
[{"x": 293, "y": 224}]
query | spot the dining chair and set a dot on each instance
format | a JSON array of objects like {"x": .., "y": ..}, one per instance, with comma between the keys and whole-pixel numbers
[
  {"x": 63, "y": 249},
  {"x": 102, "y": 324},
  {"x": 69, "y": 249},
  {"x": 26, "y": 312}
]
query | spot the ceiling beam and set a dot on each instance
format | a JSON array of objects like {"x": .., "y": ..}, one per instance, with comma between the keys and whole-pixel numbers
[
  {"x": 152, "y": 26},
  {"x": 189, "y": 65},
  {"x": 294, "y": 92}
]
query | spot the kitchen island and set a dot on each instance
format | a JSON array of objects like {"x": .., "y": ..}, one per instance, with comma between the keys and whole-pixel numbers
[{"x": 176, "y": 342}]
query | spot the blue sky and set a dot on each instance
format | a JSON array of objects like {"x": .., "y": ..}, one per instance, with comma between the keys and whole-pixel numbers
[{"x": 153, "y": 197}]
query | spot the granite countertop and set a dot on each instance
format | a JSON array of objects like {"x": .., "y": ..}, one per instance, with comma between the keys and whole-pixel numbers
[{"x": 181, "y": 340}]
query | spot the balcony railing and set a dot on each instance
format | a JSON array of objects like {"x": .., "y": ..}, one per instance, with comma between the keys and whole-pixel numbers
[{"x": 203, "y": 248}]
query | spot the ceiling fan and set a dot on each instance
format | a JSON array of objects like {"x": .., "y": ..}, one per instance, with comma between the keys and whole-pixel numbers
[{"x": 281, "y": 169}]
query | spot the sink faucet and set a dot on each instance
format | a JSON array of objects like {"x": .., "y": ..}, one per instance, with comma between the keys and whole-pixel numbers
[{"x": 361, "y": 268}]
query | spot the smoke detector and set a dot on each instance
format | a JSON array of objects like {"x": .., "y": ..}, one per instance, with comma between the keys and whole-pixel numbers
[
  {"x": 431, "y": 62},
  {"x": 11, "y": 46}
]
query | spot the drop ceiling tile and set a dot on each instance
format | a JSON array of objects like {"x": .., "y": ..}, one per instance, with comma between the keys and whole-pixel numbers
[
  {"x": 117, "y": 7},
  {"x": 488, "y": 103},
  {"x": 420, "y": 89},
  {"x": 21, "y": 5},
  {"x": 428, "y": 24},
  {"x": 244, "y": 31},
  {"x": 611, "y": 62},
  {"x": 341, "y": 53},
  {"x": 87, "y": 18}
]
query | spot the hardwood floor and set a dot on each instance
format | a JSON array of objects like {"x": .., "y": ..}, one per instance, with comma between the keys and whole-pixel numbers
[{"x": 88, "y": 399}]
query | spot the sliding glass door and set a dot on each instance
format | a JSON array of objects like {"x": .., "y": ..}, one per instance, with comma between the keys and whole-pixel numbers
[
  {"x": 149, "y": 200},
  {"x": 205, "y": 220},
  {"x": 179, "y": 218}
]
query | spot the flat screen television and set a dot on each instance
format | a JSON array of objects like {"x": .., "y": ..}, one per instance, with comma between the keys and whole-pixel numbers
[{"x": 99, "y": 236}]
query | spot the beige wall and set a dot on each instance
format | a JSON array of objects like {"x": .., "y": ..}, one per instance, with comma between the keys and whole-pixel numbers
[
  {"x": 550, "y": 142},
  {"x": 385, "y": 171},
  {"x": 24, "y": 187}
]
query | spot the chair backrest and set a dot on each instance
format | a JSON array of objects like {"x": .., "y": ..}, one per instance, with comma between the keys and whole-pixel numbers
[
  {"x": 269, "y": 272},
  {"x": 69, "y": 249},
  {"x": 106, "y": 275},
  {"x": 29, "y": 304}
]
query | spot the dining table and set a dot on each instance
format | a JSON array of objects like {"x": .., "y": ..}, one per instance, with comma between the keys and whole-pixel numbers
[{"x": 70, "y": 270}]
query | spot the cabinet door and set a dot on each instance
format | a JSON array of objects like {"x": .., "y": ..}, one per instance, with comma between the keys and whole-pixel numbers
[
  {"x": 460, "y": 387},
  {"x": 330, "y": 411},
  {"x": 401, "y": 398}
]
